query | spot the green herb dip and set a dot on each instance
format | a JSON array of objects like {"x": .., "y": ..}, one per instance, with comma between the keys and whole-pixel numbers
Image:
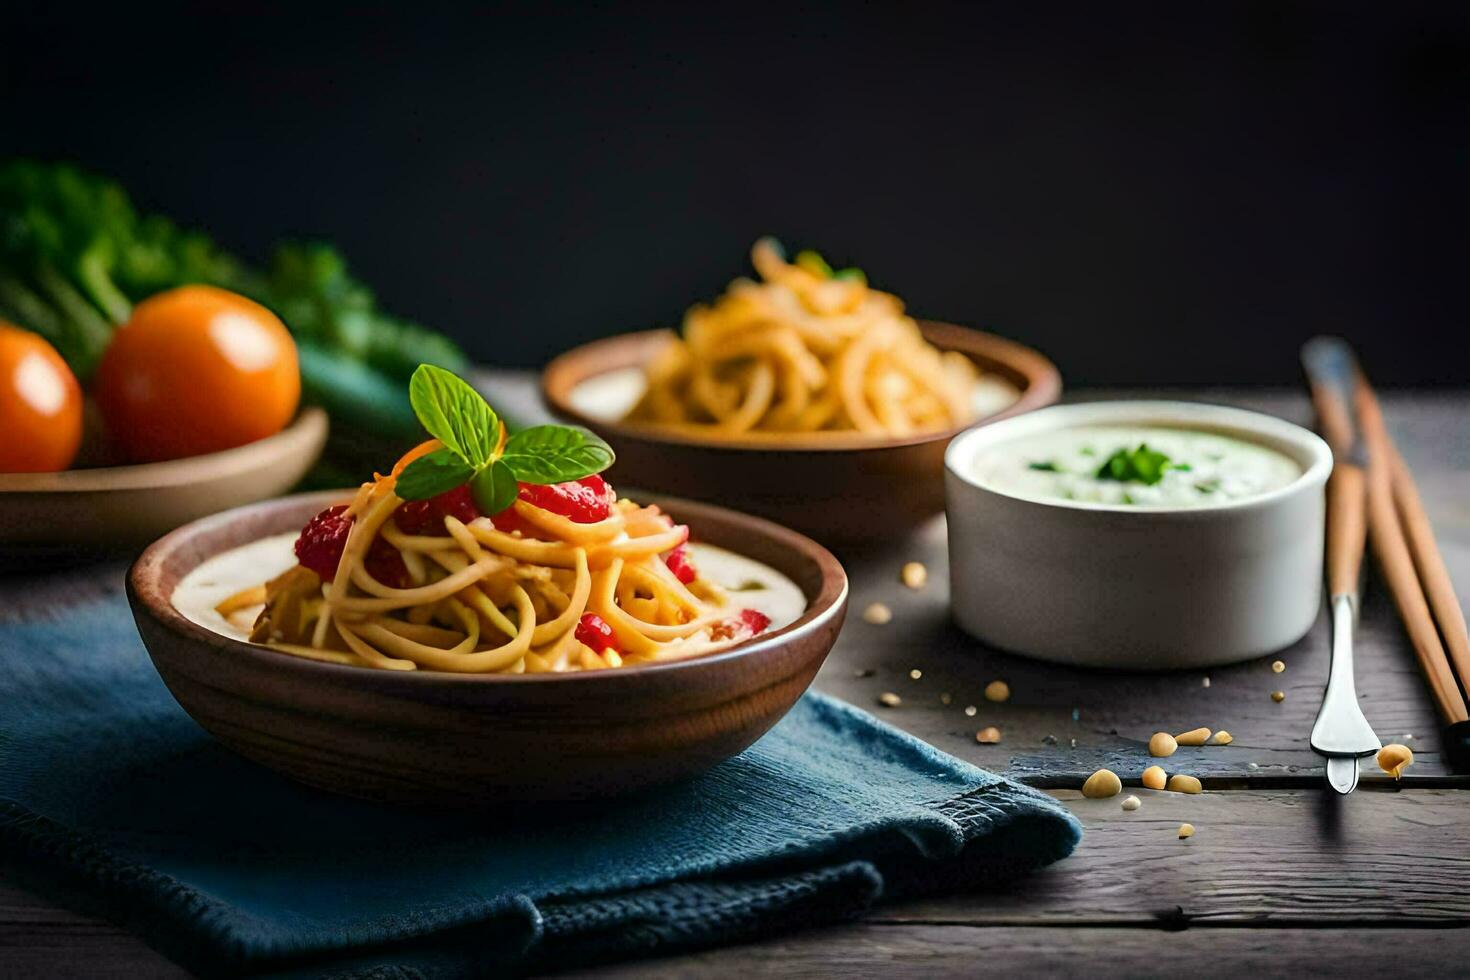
[{"x": 1143, "y": 466}]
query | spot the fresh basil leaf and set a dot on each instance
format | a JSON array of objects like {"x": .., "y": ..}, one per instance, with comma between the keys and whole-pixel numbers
[
  {"x": 433, "y": 474},
  {"x": 547, "y": 454},
  {"x": 494, "y": 488},
  {"x": 454, "y": 413}
]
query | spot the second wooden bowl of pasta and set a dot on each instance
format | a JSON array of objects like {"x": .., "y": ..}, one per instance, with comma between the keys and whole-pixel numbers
[
  {"x": 840, "y": 487},
  {"x": 429, "y": 736},
  {"x": 804, "y": 395}
]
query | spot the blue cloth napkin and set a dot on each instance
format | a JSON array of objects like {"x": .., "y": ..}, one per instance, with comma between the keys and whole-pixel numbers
[{"x": 114, "y": 801}]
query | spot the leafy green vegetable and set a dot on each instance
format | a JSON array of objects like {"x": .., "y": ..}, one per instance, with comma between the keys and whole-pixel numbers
[
  {"x": 494, "y": 488},
  {"x": 455, "y": 414},
  {"x": 459, "y": 417},
  {"x": 75, "y": 255},
  {"x": 556, "y": 454},
  {"x": 1141, "y": 465},
  {"x": 1044, "y": 466},
  {"x": 433, "y": 474}
]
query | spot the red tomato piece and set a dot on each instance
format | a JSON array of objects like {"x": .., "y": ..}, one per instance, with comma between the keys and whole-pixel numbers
[
  {"x": 585, "y": 501},
  {"x": 320, "y": 545},
  {"x": 679, "y": 563},
  {"x": 593, "y": 631},
  {"x": 322, "y": 541},
  {"x": 742, "y": 626},
  {"x": 754, "y": 620},
  {"x": 427, "y": 516}
]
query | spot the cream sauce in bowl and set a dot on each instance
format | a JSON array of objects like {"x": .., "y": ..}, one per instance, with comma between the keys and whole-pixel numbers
[
  {"x": 751, "y": 585},
  {"x": 1134, "y": 465}
]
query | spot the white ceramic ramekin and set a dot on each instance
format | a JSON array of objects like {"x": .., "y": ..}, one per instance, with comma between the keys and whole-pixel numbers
[{"x": 1137, "y": 587}]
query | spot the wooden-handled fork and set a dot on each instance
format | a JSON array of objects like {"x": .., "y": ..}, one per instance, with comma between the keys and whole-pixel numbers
[{"x": 1341, "y": 733}]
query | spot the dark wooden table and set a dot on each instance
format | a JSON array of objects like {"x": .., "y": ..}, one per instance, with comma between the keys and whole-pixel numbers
[{"x": 1280, "y": 878}]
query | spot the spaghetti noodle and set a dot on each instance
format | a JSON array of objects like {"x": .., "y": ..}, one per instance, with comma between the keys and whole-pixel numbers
[
  {"x": 488, "y": 552},
  {"x": 805, "y": 350},
  {"x": 528, "y": 590}
]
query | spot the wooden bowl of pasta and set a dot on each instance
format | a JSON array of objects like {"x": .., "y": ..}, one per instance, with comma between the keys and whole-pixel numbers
[
  {"x": 840, "y": 487},
  {"x": 483, "y": 739}
]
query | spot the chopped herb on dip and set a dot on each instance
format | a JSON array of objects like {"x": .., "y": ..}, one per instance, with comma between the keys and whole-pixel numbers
[{"x": 1143, "y": 466}]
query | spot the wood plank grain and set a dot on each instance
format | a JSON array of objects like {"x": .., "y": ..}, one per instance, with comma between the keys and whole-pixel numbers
[
  {"x": 864, "y": 950},
  {"x": 1278, "y": 857}
]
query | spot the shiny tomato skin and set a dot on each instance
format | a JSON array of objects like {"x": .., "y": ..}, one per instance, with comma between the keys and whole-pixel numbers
[
  {"x": 40, "y": 405},
  {"x": 197, "y": 370},
  {"x": 593, "y": 631},
  {"x": 585, "y": 501}
]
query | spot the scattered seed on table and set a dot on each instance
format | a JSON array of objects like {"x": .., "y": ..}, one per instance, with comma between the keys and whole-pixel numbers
[
  {"x": 1154, "y": 777},
  {"x": 915, "y": 674},
  {"x": 997, "y": 691},
  {"x": 1048, "y": 740},
  {"x": 1073, "y": 742},
  {"x": 1162, "y": 745},
  {"x": 1186, "y": 830},
  {"x": 1102, "y": 784},
  {"x": 1394, "y": 759},
  {"x": 1408, "y": 737},
  {"x": 1131, "y": 803},
  {"x": 1222, "y": 737},
  {"x": 1180, "y": 783},
  {"x": 1277, "y": 666},
  {"x": 988, "y": 736},
  {"x": 1196, "y": 736},
  {"x": 1278, "y": 696},
  {"x": 970, "y": 710},
  {"x": 889, "y": 700},
  {"x": 878, "y": 614},
  {"x": 914, "y": 575},
  {"x": 1253, "y": 766},
  {"x": 1204, "y": 682},
  {"x": 945, "y": 697},
  {"x": 865, "y": 672}
]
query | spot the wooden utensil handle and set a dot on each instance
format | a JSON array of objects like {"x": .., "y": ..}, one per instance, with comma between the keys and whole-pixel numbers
[{"x": 1347, "y": 527}]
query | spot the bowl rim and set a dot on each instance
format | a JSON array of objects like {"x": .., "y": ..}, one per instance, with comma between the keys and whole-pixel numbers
[
  {"x": 146, "y": 593},
  {"x": 308, "y": 426},
  {"x": 1241, "y": 423},
  {"x": 1036, "y": 376}
]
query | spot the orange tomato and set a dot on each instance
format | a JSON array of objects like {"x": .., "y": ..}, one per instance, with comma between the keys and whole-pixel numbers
[
  {"x": 196, "y": 370},
  {"x": 40, "y": 405}
]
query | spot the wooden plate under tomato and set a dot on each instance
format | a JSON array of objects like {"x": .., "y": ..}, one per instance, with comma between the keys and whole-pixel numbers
[{"x": 119, "y": 508}]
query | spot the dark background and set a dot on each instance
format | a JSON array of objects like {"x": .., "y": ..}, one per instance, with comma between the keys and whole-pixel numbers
[{"x": 1150, "y": 193}]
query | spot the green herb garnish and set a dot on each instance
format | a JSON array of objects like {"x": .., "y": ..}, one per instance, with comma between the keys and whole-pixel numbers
[
  {"x": 1044, "y": 466},
  {"x": 1207, "y": 486},
  {"x": 1141, "y": 465},
  {"x": 458, "y": 416},
  {"x": 813, "y": 262}
]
